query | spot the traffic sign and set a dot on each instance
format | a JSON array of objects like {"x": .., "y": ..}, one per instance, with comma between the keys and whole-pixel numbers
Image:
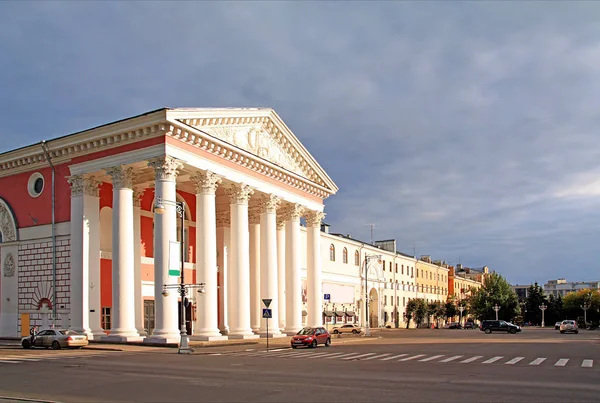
[
  {"x": 267, "y": 301},
  {"x": 267, "y": 313},
  {"x": 327, "y": 297}
]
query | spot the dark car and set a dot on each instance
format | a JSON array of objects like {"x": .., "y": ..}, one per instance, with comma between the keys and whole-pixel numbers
[
  {"x": 311, "y": 337},
  {"x": 490, "y": 326},
  {"x": 470, "y": 325}
]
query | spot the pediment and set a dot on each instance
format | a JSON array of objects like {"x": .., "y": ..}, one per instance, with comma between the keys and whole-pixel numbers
[{"x": 263, "y": 135}]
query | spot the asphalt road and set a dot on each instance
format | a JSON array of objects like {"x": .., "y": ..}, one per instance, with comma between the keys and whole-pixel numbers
[{"x": 398, "y": 366}]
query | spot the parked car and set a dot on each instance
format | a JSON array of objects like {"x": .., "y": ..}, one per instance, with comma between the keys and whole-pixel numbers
[
  {"x": 557, "y": 325},
  {"x": 489, "y": 326},
  {"x": 349, "y": 328},
  {"x": 569, "y": 326},
  {"x": 453, "y": 325},
  {"x": 56, "y": 339},
  {"x": 311, "y": 337},
  {"x": 470, "y": 325}
]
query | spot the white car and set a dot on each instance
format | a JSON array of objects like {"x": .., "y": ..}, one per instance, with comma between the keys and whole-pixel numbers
[
  {"x": 347, "y": 329},
  {"x": 569, "y": 326}
]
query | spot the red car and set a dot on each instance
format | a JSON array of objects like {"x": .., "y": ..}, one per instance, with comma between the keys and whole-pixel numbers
[{"x": 311, "y": 337}]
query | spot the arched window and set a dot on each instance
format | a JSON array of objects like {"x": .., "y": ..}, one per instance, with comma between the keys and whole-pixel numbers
[
  {"x": 356, "y": 258},
  {"x": 345, "y": 255},
  {"x": 332, "y": 253}
]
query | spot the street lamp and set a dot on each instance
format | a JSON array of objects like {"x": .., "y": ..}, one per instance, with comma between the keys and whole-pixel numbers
[
  {"x": 367, "y": 259},
  {"x": 543, "y": 307},
  {"x": 586, "y": 305},
  {"x": 159, "y": 208},
  {"x": 461, "y": 309},
  {"x": 496, "y": 308}
]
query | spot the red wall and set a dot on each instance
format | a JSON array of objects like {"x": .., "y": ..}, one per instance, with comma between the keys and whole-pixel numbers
[{"x": 105, "y": 282}]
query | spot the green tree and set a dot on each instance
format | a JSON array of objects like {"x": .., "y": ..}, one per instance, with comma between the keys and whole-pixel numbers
[
  {"x": 495, "y": 290},
  {"x": 450, "y": 309},
  {"x": 411, "y": 308},
  {"x": 574, "y": 301},
  {"x": 555, "y": 310},
  {"x": 420, "y": 312},
  {"x": 535, "y": 298}
]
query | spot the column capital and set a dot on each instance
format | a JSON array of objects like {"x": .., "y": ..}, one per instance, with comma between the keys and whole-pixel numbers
[
  {"x": 254, "y": 215},
  {"x": 280, "y": 220},
  {"x": 314, "y": 218},
  {"x": 223, "y": 220},
  {"x": 165, "y": 167},
  {"x": 206, "y": 182},
  {"x": 292, "y": 212},
  {"x": 269, "y": 203},
  {"x": 83, "y": 185},
  {"x": 239, "y": 193},
  {"x": 137, "y": 196},
  {"x": 122, "y": 177}
]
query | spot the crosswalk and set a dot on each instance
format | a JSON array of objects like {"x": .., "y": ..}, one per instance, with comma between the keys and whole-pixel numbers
[
  {"x": 421, "y": 357},
  {"x": 12, "y": 358}
]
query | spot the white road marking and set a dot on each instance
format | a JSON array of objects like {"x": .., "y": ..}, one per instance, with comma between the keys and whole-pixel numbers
[
  {"x": 343, "y": 355},
  {"x": 328, "y": 355},
  {"x": 412, "y": 358},
  {"x": 562, "y": 362},
  {"x": 452, "y": 358},
  {"x": 468, "y": 360},
  {"x": 537, "y": 361},
  {"x": 10, "y": 362},
  {"x": 318, "y": 355},
  {"x": 394, "y": 356},
  {"x": 514, "y": 361},
  {"x": 492, "y": 360},
  {"x": 359, "y": 356},
  {"x": 431, "y": 358},
  {"x": 587, "y": 364},
  {"x": 376, "y": 356}
]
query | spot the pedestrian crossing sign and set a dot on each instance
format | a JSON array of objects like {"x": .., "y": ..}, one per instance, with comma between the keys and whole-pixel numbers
[{"x": 267, "y": 313}]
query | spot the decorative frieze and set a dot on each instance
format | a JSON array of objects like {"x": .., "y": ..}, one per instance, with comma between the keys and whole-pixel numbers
[
  {"x": 223, "y": 220},
  {"x": 165, "y": 167},
  {"x": 269, "y": 203},
  {"x": 8, "y": 227},
  {"x": 84, "y": 185},
  {"x": 206, "y": 182},
  {"x": 314, "y": 218},
  {"x": 122, "y": 177},
  {"x": 292, "y": 212},
  {"x": 9, "y": 265},
  {"x": 239, "y": 193}
]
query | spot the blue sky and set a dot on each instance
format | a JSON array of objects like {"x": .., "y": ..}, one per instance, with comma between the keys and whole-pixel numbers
[{"x": 464, "y": 130}]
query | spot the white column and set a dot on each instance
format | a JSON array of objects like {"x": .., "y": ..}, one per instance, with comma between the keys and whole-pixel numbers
[
  {"x": 123, "y": 303},
  {"x": 166, "y": 328},
  {"x": 239, "y": 297},
  {"x": 293, "y": 284},
  {"x": 268, "y": 263},
  {"x": 206, "y": 326},
  {"x": 92, "y": 211},
  {"x": 314, "y": 284},
  {"x": 281, "y": 271},
  {"x": 223, "y": 247},
  {"x": 9, "y": 261},
  {"x": 255, "y": 272},
  {"x": 137, "y": 262}
]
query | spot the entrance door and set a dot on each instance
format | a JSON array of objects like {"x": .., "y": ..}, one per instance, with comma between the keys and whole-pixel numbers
[{"x": 149, "y": 316}]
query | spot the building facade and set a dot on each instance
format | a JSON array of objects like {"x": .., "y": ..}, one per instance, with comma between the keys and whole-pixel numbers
[
  {"x": 462, "y": 281},
  {"x": 563, "y": 287},
  {"x": 432, "y": 279}
]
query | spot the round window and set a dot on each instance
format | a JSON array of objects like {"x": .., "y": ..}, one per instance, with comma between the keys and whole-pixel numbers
[{"x": 35, "y": 185}]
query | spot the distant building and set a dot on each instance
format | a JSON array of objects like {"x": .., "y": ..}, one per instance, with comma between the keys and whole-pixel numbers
[
  {"x": 522, "y": 291},
  {"x": 462, "y": 280},
  {"x": 562, "y": 287}
]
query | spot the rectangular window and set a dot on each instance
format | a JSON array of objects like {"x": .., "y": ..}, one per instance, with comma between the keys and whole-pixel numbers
[
  {"x": 106, "y": 318},
  {"x": 396, "y": 268}
]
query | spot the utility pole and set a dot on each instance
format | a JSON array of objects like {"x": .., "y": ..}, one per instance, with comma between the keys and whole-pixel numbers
[{"x": 372, "y": 226}]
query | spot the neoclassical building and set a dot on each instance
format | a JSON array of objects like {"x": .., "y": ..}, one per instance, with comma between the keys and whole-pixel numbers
[{"x": 83, "y": 246}]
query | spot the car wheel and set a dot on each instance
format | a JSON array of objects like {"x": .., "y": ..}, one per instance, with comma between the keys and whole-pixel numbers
[
  {"x": 294, "y": 347},
  {"x": 562, "y": 331},
  {"x": 55, "y": 345},
  {"x": 488, "y": 331},
  {"x": 26, "y": 344},
  {"x": 335, "y": 331},
  {"x": 313, "y": 344},
  {"x": 576, "y": 331},
  {"x": 513, "y": 331},
  {"x": 354, "y": 331},
  {"x": 328, "y": 342}
]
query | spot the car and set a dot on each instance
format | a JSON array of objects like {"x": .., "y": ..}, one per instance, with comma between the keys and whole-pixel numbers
[
  {"x": 489, "y": 326},
  {"x": 348, "y": 328},
  {"x": 557, "y": 325},
  {"x": 311, "y": 337},
  {"x": 569, "y": 326},
  {"x": 55, "y": 339},
  {"x": 453, "y": 325},
  {"x": 470, "y": 325}
]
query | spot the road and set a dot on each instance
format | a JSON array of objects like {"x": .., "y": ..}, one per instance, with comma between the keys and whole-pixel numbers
[{"x": 415, "y": 366}]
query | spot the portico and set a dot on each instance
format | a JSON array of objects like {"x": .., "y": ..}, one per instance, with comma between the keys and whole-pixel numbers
[{"x": 240, "y": 172}]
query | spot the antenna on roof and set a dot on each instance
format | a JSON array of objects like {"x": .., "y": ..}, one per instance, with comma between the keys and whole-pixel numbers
[{"x": 372, "y": 226}]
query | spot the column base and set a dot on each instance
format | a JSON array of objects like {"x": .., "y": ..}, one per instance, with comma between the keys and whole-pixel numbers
[
  {"x": 292, "y": 331},
  {"x": 163, "y": 339},
  {"x": 243, "y": 336},
  {"x": 96, "y": 334},
  {"x": 201, "y": 337},
  {"x": 263, "y": 335},
  {"x": 122, "y": 338}
]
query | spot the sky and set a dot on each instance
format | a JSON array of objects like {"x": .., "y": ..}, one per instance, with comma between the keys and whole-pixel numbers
[{"x": 467, "y": 131}]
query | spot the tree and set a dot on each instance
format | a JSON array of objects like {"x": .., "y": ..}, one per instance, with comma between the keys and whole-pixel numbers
[
  {"x": 535, "y": 298},
  {"x": 411, "y": 307},
  {"x": 420, "y": 312},
  {"x": 450, "y": 309},
  {"x": 495, "y": 290},
  {"x": 573, "y": 302},
  {"x": 555, "y": 309}
]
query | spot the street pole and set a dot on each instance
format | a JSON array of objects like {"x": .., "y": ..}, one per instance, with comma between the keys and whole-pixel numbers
[
  {"x": 543, "y": 307},
  {"x": 585, "y": 307},
  {"x": 461, "y": 309},
  {"x": 367, "y": 329},
  {"x": 496, "y": 308}
]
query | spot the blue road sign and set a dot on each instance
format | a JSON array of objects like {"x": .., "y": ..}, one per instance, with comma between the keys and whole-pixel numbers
[
  {"x": 267, "y": 313},
  {"x": 327, "y": 297}
]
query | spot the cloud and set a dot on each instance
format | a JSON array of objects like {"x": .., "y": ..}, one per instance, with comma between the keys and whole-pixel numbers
[{"x": 461, "y": 129}]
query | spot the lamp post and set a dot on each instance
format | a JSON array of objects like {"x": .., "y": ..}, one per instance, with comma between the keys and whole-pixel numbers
[
  {"x": 367, "y": 259},
  {"x": 585, "y": 306},
  {"x": 461, "y": 309},
  {"x": 496, "y": 308},
  {"x": 182, "y": 287},
  {"x": 543, "y": 307}
]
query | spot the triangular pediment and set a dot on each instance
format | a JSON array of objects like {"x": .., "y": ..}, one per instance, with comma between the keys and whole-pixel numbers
[{"x": 262, "y": 134}]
